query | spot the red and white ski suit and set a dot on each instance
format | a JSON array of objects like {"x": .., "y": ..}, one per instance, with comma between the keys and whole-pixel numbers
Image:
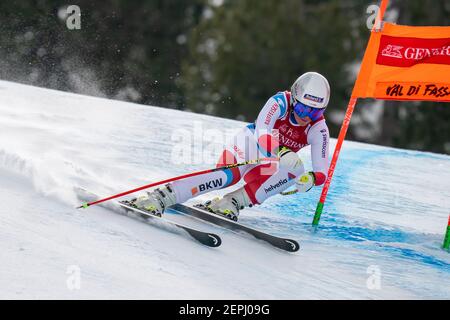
[{"x": 275, "y": 127}]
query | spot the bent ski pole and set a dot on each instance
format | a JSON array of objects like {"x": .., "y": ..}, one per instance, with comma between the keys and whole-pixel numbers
[
  {"x": 230, "y": 166},
  {"x": 289, "y": 193}
]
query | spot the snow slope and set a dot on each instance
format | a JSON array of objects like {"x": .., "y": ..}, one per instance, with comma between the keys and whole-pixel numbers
[{"x": 384, "y": 219}]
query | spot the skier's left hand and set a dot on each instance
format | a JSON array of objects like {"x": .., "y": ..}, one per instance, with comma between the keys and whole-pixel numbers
[
  {"x": 289, "y": 160},
  {"x": 305, "y": 182}
]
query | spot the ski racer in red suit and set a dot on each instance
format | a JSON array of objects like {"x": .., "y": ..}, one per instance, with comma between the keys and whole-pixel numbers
[{"x": 288, "y": 122}]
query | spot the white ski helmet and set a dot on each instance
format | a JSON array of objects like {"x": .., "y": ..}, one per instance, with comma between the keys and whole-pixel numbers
[{"x": 311, "y": 89}]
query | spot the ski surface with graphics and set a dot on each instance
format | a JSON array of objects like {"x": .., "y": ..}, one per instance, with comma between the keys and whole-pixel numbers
[
  {"x": 281, "y": 243},
  {"x": 205, "y": 238}
]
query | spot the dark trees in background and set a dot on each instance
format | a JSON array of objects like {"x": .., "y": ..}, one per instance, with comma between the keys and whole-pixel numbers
[
  {"x": 224, "y": 58},
  {"x": 130, "y": 50},
  {"x": 251, "y": 49}
]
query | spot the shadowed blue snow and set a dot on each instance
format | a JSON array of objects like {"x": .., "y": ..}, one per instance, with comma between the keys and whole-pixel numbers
[
  {"x": 387, "y": 208},
  {"x": 351, "y": 191}
]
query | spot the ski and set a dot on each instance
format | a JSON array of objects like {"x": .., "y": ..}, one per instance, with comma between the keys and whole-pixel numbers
[
  {"x": 205, "y": 238},
  {"x": 281, "y": 243}
]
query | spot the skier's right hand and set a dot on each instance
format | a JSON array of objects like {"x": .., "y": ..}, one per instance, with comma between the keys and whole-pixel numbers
[
  {"x": 289, "y": 160},
  {"x": 305, "y": 182}
]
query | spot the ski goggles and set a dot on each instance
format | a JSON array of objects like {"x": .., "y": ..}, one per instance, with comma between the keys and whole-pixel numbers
[{"x": 302, "y": 110}]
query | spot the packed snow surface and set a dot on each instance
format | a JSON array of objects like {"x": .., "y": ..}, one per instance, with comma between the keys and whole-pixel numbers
[{"x": 380, "y": 235}]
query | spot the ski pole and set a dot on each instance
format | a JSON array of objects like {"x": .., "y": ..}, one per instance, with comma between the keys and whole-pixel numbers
[
  {"x": 288, "y": 193},
  {"x": 230, "y": 166}
]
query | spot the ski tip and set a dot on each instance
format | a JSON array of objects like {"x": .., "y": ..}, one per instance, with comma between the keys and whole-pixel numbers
[
  {"x": 207, "y": 239},
  {"x": 292, "y": 245},
  {"x": 216, "y": 241}
]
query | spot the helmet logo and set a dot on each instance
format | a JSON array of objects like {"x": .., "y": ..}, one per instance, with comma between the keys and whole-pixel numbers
[{"x": 313, "y": 98}]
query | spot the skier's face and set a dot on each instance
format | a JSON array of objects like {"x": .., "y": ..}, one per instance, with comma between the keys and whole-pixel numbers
[{"x": 302, "y": 121}]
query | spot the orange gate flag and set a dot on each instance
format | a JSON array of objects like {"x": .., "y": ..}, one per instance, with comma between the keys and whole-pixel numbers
[{"x": 406, "y": 63}]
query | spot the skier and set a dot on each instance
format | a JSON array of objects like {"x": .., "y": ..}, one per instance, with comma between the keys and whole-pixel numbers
[{"x": 288, "y": 122}]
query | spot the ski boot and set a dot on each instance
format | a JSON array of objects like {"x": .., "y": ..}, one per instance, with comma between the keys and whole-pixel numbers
[
  {"x": 156, "y": 201},
  {"x": 229, "y": 205}
]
